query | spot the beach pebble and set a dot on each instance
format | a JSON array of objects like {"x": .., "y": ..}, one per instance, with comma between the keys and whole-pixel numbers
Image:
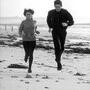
[{"x": 14, "y": 76}]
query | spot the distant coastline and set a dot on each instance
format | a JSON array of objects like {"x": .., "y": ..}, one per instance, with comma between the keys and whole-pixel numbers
[{"x": 17, "y": 20}]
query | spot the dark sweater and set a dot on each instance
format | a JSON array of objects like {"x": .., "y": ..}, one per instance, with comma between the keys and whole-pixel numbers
[
  {"x": 27, "y": 30},
  {"x": 55, "y": 19}
]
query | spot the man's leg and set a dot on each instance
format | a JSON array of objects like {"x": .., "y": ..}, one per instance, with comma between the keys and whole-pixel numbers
[
  {"x": 59, "y": 41},
  {"x": 56, "y": 46},
  {"x": 62, "y": 40}
]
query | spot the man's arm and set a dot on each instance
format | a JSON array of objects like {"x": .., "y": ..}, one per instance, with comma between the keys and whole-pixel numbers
[
  {"x": 70, "y": 20},
  {"x": 49, "y": 19}
]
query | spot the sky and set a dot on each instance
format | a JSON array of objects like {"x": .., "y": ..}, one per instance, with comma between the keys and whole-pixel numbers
[{"x": 14, "y": 8}]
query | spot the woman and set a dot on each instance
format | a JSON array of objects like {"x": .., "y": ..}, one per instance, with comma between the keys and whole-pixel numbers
[{"x": 27, "y": 31}]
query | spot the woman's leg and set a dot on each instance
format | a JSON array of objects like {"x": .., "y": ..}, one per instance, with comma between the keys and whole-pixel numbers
[
  {"x": 26, "y": 49},
  {"x": 32, "y": 45}
]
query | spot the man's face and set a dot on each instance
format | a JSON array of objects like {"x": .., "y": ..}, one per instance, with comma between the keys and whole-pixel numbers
[{"x": 58, "y": 7}]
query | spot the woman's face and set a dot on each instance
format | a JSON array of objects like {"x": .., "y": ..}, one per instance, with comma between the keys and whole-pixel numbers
[
  {"x": 58, "y": 7},
  {"x": 28, "y": 15}
]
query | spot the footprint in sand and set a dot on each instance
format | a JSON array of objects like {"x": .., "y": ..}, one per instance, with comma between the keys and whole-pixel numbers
[
  {"x": 11, "y": 56},
  {"x": 71, "y": 72},
  {"x": 37, "y": 81},
  {"x": 45, "y": 77},
  {"x": 37, "y": 75},
  {"x": 38, "y": 66},
  {"x": 21, "y": 80},
  {"x": 1, "y": 71},
  {"x": 10, "y": 70},
  {"x": 27, "y": 82},
  {"x": 86, "y": 82},
  {"x": 80, "y": 79},
  {"x": 75, "y": 57},
  {"x": 46, "y": 87},
  {"x": 78, "y": 83},
  {"x": 5, "y": 68},
  {"x": 1, "y": 77},
  {"x": 28, "y": 76},
  {"x": 56, "y": 81},
  {"x": 14, "y": 76}
]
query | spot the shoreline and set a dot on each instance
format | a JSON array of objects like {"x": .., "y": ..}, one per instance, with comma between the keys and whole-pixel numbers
[{"x": 71, "y": 46}]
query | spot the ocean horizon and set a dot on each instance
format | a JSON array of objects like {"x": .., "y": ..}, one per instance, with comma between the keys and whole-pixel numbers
[{"x": 40, "y": 20}]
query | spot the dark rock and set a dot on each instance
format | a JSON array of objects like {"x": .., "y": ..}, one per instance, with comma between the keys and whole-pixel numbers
[{"x": 17, "y": 66}]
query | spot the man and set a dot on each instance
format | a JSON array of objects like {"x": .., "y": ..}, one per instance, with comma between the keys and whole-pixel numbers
[{"x": 58, "y": 20}]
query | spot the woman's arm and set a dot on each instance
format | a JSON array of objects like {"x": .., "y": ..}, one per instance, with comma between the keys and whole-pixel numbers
[
  {"x": 37, "y": 32},
  {"x": 21, "y": 29}
]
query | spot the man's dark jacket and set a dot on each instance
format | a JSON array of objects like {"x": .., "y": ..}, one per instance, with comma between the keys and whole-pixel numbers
[{"x": 55, "y": 19}]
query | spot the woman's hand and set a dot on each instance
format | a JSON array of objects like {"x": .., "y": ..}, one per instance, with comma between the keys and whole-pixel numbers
[
  {"x": 20, "y": 34},
  {"x": 50, "y": 30},
  {"x": 37, "y": 32},
  {"x": 23, "y": 33}
]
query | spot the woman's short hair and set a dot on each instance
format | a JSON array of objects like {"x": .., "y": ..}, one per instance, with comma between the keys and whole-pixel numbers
[
  {"x": 58, "y": 2},
  {"x": 28, "y": 10}
]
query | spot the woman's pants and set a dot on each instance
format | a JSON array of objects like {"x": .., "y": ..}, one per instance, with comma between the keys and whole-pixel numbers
[
  {"x": 59, "y": 41},
  {"x": 29, "y": 47}
]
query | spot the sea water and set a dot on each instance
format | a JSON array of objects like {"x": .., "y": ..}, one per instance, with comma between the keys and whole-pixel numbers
[{"x": 76, "y": 32}]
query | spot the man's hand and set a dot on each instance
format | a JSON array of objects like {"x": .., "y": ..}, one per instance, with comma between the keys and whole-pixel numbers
[
  {"x": 64, "y": 24},
  {"x": 50, "y": 30}
]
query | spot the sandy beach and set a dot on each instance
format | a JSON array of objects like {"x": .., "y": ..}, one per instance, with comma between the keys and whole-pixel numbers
[{"x": 75, "y": 74}]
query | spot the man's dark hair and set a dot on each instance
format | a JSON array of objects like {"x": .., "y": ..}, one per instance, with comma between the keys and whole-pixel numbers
[{"x": 58, "y": 2}]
